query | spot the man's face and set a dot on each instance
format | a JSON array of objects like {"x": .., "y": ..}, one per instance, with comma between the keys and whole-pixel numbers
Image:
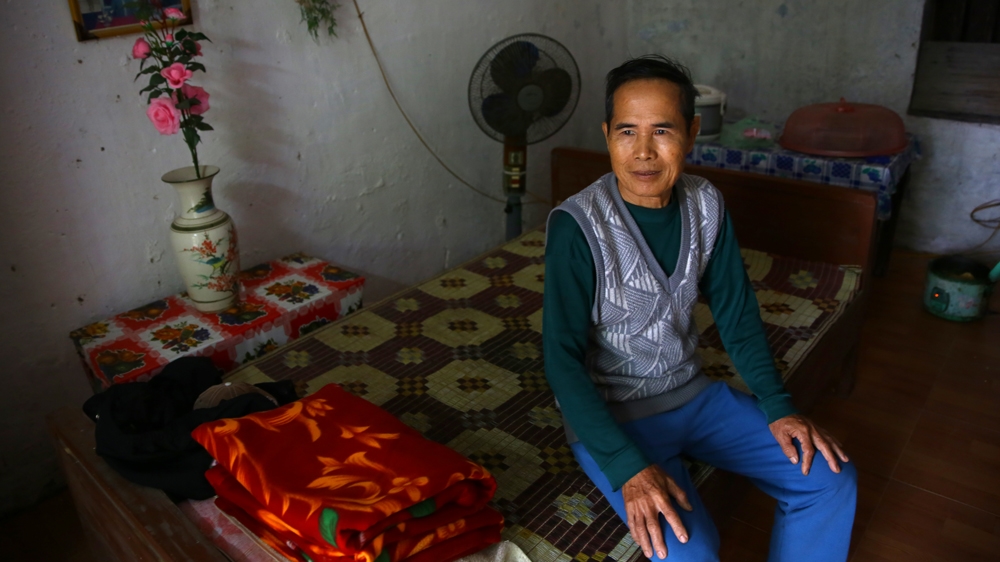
[{"x": 648, "y": 140}]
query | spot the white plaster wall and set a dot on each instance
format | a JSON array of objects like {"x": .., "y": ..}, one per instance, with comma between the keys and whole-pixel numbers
[
  {"x": 314, "y": 157},
  {"x": 773, "y": 56}
]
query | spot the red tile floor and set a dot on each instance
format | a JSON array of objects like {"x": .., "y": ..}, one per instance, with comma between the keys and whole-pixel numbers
[{"x": 922, "y": 425}]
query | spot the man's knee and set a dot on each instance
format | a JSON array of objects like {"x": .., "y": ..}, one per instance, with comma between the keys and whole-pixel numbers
[
  {"x": 848, "y": 478},
  {"x": 844, "y": 483},
  {"x": 702, "y": 545},
  {"x": 822, "y": 489}
]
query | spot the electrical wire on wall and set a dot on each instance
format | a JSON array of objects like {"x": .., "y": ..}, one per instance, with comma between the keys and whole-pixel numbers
[
  {"x": 536, "y": 199},
  {"x": 993, "y": 223}
]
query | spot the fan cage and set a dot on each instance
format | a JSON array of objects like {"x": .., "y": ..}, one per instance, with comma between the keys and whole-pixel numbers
[{"x": 552, "y": 54}]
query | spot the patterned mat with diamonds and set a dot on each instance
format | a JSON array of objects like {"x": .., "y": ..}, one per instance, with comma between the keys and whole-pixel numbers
[{"x": 459, "y": 358}]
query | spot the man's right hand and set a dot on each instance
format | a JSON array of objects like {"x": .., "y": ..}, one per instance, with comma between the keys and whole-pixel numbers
[{"x": 646, "y": 496}]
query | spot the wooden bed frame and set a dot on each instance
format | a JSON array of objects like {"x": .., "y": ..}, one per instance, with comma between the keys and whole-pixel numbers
[{"x": 127, "y": 522}]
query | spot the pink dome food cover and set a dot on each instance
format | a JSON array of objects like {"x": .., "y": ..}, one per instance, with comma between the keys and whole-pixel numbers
[{"x": 842, "y": 129}]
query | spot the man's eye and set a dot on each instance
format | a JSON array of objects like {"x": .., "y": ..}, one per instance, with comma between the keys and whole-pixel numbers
[
  {"x": 661, "y": 131},
  {"x": 628, "y": 132}
]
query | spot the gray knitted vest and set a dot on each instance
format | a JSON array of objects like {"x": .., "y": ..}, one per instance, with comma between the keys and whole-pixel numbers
[{"x": 643, "y": 336}]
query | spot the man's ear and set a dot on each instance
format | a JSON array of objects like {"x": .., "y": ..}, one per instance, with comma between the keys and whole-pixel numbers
[{"x": 607, "y": 140}]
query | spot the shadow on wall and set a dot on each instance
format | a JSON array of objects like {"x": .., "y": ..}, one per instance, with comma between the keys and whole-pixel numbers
[
  {"x": 252, "y": 126},
  {"x": 253, "y": 112},
  {"x": 262, "y": 233},
  {"x": 262, "y": 215},
  {"x": 378, "y": 287}
]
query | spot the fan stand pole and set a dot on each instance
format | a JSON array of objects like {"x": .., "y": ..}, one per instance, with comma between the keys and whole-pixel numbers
[
  {"x": 513, "y": 211},
  {"x": 515, "y": 156}
]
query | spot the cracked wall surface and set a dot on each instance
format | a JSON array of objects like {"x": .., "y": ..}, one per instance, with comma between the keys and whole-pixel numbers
[{"x": 314, "y": 157}]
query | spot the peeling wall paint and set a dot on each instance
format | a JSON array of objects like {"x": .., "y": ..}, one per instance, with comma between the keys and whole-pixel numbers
[
  {"x": 774, "y": 56},
  {"x": 314, "y": 157}
]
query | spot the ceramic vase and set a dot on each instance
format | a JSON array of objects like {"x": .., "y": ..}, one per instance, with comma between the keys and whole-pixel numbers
[{"x": 204, "y": 241}]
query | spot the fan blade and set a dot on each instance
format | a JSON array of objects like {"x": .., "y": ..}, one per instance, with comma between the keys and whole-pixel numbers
[
  {"x": 558, "y": 86},
  {"x": 502, "y": 114},
  {"x": 513, "y": 64}
]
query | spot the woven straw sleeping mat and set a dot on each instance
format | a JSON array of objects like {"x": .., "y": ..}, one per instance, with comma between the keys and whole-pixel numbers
[{"x": 459, "y": 358}]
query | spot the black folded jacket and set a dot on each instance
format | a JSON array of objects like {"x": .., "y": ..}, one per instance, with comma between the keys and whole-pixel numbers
[{"x": 144, "y": 428}]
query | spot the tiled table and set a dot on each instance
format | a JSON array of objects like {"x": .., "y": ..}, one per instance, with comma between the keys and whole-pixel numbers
[
  {"x": 886, "y": 176},
  {"x": 281, "y": 300}
]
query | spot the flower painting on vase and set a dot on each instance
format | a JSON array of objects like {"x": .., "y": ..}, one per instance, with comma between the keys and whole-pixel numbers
[
  {"x": 220, "y": 256},
  {"x": 94, "y": 19},
  {"x": 205, "y": 204}
]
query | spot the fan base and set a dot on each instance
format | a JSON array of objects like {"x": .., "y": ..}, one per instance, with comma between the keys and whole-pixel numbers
[{"x": 513, "y": 211}]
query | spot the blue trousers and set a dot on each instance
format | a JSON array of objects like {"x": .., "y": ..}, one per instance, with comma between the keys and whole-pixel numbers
[{"x": 724, "y": 427}]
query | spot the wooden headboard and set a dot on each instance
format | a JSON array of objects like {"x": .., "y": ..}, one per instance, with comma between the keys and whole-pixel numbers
[{"x": 787, "y": 217}]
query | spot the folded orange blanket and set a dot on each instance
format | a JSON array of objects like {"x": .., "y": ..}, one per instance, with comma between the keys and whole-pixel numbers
[
  {"x": 450, "y": 541},
  {"x": 338, "y": 478}
]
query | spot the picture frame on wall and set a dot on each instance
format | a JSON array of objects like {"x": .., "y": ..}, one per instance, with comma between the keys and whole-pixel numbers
[{"x": 94, "y": 19}]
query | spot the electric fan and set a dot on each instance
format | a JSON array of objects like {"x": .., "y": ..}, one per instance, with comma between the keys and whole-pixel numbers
[{"x": 522, "y": 91}]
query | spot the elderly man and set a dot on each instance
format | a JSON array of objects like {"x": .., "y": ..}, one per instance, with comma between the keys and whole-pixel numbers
[{"x": 626, "y": 259}]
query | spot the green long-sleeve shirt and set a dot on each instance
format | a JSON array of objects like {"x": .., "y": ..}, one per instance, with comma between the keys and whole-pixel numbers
[{"x": 570, "y": 280}]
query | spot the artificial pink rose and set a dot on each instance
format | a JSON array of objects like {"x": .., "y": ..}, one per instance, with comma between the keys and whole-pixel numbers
[
  {"x": 197, "y": 48},
  {"x": 141, "y": 49},
  {"x": 173, "y": 14},
  {"x": 176, "y": 75},
  {"x": 195, "y": 93},
  {"x": 169, "y": 38},
  {"x": 165, "y": 117}
]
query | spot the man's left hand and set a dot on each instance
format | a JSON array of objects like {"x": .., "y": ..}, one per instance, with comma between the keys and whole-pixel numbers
[{"x": 811, "y": 437}]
